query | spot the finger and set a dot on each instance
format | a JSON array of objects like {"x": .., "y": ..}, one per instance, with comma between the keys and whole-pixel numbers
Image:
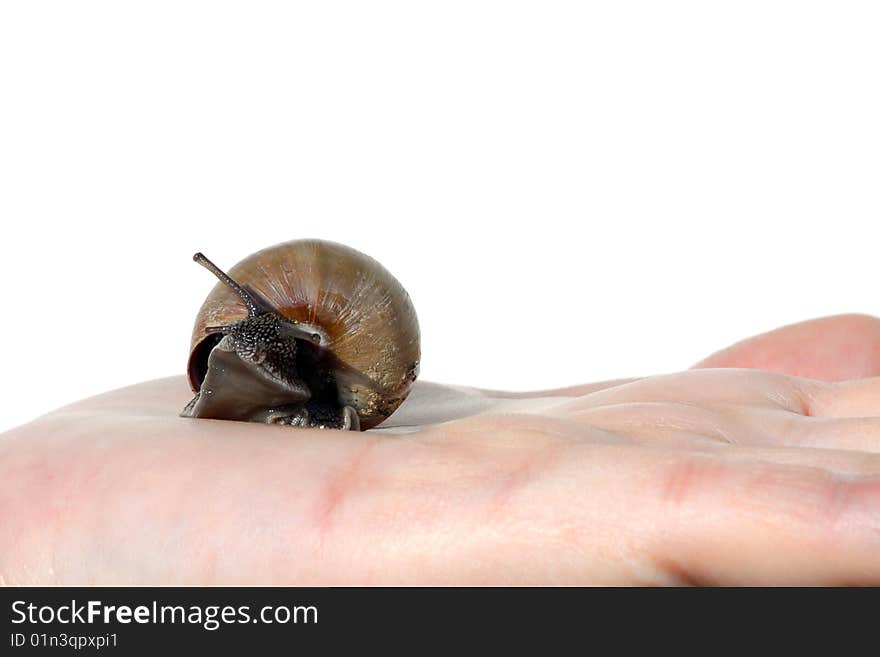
[
  {"x": 840, "y": 461},
  {"x": 856, "y": 398},
  {"x": 759, "y": 523},
  {"x": 571, "y": 391},
  {"x": 690, "y": 426},
  {"x": 855, "y": 433},
  {"x": 686, "y": 425},
  {"x": 830, "y": 349},
  {"x": 718, "y": 386}
]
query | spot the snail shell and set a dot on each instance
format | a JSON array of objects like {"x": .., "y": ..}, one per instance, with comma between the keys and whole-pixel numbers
[{"x": 344, "y": 333}]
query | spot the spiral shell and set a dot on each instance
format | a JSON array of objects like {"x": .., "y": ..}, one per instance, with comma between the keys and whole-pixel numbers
[{"x": 363, "y": 315}]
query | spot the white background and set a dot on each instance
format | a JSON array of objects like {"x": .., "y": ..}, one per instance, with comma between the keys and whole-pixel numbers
[{"x": 569, "y": 191}]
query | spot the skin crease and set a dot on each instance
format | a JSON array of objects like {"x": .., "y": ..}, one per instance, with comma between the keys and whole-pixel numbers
[{"x": 713, "y": 475}]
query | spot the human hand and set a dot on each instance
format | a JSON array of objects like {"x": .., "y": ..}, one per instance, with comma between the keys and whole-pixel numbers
[{"x": 728, "y": 476}]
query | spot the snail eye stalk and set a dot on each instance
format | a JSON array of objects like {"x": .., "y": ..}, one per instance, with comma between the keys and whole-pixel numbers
[{"x": 255, "y": 305}]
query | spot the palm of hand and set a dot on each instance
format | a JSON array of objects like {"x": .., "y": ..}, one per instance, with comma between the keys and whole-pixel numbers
[{"x": 708, "y": 475}]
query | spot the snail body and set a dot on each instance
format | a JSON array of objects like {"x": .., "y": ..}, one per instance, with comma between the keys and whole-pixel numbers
[{"x": 305, "y": 333}]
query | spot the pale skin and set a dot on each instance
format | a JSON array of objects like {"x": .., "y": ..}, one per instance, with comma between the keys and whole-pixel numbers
[{"x": 713, "y": 475}]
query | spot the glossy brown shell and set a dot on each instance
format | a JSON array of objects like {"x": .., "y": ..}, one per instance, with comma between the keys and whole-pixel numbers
[{"x": 366, "y": 317}]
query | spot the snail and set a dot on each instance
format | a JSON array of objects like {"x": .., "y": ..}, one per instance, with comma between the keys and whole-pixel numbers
[{"x": 305, "y": 333}]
